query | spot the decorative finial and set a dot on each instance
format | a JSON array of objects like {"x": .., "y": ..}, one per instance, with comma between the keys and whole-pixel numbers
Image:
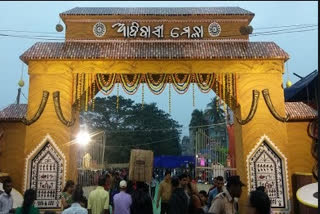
[
  {"x": 21, "y": 83},
  {"x": 59, "y": 27},
  {"x": 288, "y": 84}
]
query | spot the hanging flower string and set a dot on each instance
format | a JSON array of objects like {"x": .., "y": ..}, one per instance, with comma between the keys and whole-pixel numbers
[
  {"x": 130, "y": 87},
  {"x": 169, "y": 98},
  {"x": 93, "y": 91},
  {"x": 84, "y": 88},
  {"x": 117, "y": 97},
  {"x": 193, "y": 96},
  {"x": 86, "y": 91},
  {"x": 142, "y": 96}
]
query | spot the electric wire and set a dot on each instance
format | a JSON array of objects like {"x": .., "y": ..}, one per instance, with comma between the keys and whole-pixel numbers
[{"x": 261, "y": 33}]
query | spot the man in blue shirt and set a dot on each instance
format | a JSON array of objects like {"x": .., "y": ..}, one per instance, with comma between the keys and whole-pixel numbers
[{"x": 213, "y": 193}]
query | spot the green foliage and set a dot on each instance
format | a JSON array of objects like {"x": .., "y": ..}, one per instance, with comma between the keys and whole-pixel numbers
[
  {"x": 214, "y": 112},
  {"x": 133, "y": 127}
]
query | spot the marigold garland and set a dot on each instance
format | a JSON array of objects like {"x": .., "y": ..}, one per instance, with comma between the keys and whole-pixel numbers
[
  {"x": 130, "y": 87},
  {"x": 117, "y": 97},
  {"x": 84, "y": 86},
  {"x": 93, "y": 91},
  {"x": 205, "y": 85},
  {"x": 169, "y": 98},
  {"x": 181, "y": 86},
  {"x": 142, "y": 96},
  {"x": 156, "y": 87},
  {"x": 106, "y": 87},
  {"x": 193, "y": 96},
  {"x": 86, "y": 91}
]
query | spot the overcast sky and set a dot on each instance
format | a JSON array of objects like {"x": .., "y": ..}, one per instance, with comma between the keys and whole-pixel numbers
[{"x": 43, "y": 17}]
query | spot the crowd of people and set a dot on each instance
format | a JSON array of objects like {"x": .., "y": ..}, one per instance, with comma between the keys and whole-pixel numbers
[{"x": 176, "y": 195}]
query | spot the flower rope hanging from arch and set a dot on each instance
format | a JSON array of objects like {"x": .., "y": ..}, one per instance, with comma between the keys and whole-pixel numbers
[
  {"x": 181, "y": 82},
  {"x": 105, "y": 86},
  {"x": 130, "y": 82},
  {"x": 205, "y": 82},
  {"x": 156, "y": 82},
  {"x": 224, "y": 85}
]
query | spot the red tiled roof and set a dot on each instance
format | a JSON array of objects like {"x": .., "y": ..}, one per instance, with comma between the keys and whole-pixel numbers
[
  {"x": 300, "y": 111},
  {"x": 14, "y": 112},
  {"x": 168, "y": 11},
  {"x": 122, "y": 50}
]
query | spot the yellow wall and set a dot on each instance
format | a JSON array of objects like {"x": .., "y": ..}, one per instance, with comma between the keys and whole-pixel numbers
[
  {"x": 48, "y": 123},
  {"x": 300, "y": 147},
  {"x": 263, "y": 123},
  {"x": 12, "y": 146}
]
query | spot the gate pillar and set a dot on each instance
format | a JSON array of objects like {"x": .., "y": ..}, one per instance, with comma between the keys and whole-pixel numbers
[
  {"x": 261, "y": 144},
  {"x": 50, "y": 158}
]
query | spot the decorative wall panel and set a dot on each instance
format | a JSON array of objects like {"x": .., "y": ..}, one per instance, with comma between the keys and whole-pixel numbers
[
  {"x": 267, "y": 168},
  {"x": 45, "y": 173},
  {"x": 47, "y": 177}
]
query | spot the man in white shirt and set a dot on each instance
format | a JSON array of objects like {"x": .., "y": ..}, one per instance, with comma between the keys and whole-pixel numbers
[
  {"x": 6, "y": 200},
  {"x": 226, "y": 202}
]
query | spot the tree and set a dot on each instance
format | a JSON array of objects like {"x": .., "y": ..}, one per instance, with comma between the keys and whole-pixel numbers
[
  {"x": 198, "y": 119},
  {"x": 133, "y": 127},
  {"x": 214, "y": 113}
]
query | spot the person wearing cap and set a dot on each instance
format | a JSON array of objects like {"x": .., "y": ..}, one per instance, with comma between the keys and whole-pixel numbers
[
  {"x": 226, "y": 201},
  {"x": 122, "y": 200}
]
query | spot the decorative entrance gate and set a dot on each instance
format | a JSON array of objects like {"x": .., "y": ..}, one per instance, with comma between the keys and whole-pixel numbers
[{"x": 178, "y": 47}]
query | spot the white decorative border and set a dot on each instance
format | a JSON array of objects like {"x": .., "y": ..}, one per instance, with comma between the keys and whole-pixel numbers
[
  {"x": 35, "y": 152},
  {"x": 285, "y": 169}
]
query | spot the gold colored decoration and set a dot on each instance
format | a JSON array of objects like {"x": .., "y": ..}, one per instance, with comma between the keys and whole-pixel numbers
[
  {"x": 181, "y": 85},
  {"x": 89, "y": 89},
  {"x": 253, "y": 109},
  {"x": 21, "y": 83},
  {"x": 45, "y": 96},
  {"x": 156, "y": 86},
  {"x": 220, "y": 90},
  {"x": 193, "y": 96},
  {"x": 288, "y": 83},
  {"x": 57, "y": 107},
  {"x": 130, "y": 86},
  {"x": 271, "y": 108},
  {"x": 223, "y": 87},
  {"x": 83, "y": 86},
  {"x": 142, "y": 96},
  {"x": 230, "y": 89},
  {"x": 86, "y": 91},
  {"x": 93, "y": 91},
  {"x": 79, "y": 91},
  {"x": 104, "y": 86},
  {"x": 205, "y": 85},
  {"x": 117, "y": 97},
  {"x": 169, "y": 98}
]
